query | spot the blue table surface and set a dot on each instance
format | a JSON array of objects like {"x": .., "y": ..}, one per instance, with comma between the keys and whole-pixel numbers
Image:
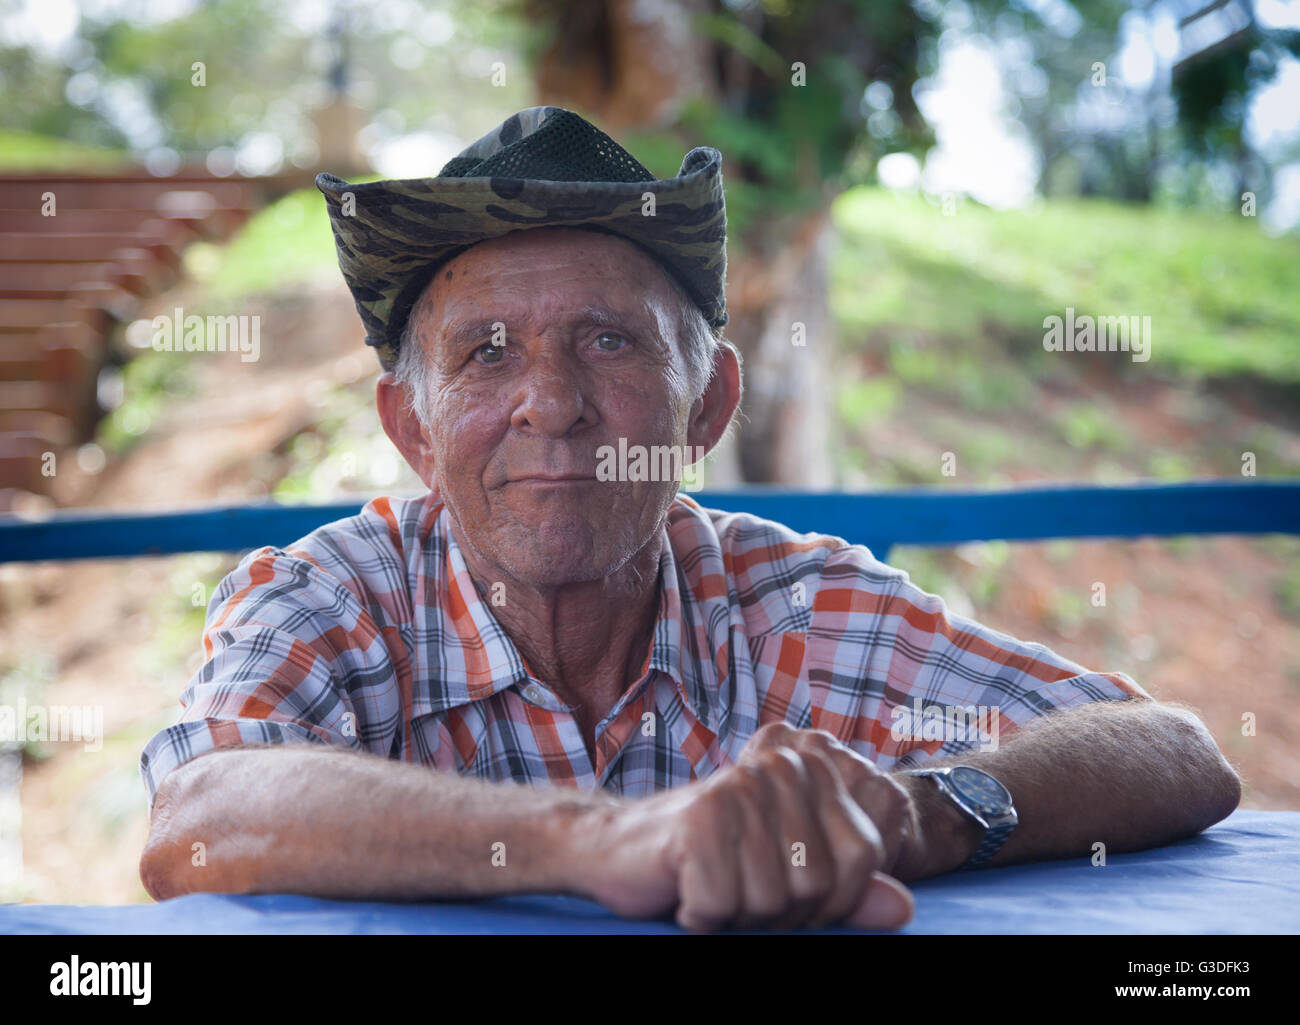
[{"x": 1240, "y": 876}]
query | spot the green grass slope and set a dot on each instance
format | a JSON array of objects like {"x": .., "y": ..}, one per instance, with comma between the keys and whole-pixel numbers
[{"x": 1224, "y": 298}]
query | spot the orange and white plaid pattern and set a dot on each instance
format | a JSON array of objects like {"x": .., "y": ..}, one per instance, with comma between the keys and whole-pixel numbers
[{"x": 369, "y": 634}]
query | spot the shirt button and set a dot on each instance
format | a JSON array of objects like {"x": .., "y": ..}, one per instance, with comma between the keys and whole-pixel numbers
[{"x": 534, "y": 694}]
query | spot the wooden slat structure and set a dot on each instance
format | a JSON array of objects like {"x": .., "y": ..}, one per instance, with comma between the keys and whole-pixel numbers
[{"x": 70, "y": 279}]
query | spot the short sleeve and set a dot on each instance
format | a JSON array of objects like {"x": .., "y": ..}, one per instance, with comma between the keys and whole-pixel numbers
[
  {"x": 907, "y": 682},
  {"x": 291, "y": 657}
]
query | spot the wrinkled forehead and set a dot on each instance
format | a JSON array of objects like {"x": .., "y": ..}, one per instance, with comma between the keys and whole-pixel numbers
[{"x": 552, "y": 275}]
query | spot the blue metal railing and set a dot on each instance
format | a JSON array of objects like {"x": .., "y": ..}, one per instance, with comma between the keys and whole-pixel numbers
[{"x": 877, "y": 519}]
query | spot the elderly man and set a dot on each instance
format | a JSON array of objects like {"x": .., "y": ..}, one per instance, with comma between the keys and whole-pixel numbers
[{"x": 539, "y": 678}]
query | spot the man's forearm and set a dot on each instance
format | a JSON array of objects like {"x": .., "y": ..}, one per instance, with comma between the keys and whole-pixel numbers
[
  {"x": 339, "y": 824},
  {"x": 1130, "y": 775}
]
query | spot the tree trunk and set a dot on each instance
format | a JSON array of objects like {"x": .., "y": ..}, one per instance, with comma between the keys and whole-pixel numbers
[
  {"x": 781, "y": 323},
  {"x": 622, "y": 66}
]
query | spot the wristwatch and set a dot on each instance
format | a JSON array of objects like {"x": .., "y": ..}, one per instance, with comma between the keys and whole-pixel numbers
[{"x": 981, "y": 797}]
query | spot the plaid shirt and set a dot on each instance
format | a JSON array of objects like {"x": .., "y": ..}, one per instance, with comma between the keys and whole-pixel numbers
[{"x": 369, "y": 634}]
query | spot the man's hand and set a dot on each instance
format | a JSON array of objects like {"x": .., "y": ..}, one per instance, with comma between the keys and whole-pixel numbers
[{"x": 801, "y": 832}]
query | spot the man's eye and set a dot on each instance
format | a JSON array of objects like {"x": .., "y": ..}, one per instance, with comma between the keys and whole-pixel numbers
[
  {"x": 490, "y": 353},
  {"x": 600, "y": 338}
]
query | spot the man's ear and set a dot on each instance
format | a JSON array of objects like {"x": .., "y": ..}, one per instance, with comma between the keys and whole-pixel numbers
[
  {"x": 404, "y": 429},
  {"x": 712, "y": 411}
]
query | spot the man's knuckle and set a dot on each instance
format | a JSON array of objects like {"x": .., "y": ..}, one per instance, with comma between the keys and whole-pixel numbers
[
  {"x": 784, "y": 767},
  {"x": 820, "y": 765},
  {"x": 751, "y": 784},
  {"x": 864, "y": 828},
  {"x": 862, "y": 853},
  {"x": 778, "y": 730},
  {"x": 711, "y": 813},
  {"x": 819, "y": 740}
]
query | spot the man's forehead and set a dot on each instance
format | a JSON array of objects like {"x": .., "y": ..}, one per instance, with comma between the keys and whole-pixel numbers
[
  {"x": 590, "y": 291},
  {"x": 453, "y": 322},
  {"x": 550, "y": 276}
]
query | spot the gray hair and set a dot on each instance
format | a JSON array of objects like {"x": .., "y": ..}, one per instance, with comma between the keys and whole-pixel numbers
[{"x": 700, "y": 342}]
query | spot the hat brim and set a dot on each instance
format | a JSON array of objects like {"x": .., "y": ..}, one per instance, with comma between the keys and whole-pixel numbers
[{"x": 391, "y": 235}]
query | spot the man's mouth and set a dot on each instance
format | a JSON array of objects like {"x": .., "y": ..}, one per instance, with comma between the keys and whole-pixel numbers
[{"x": 576, "y": 478}]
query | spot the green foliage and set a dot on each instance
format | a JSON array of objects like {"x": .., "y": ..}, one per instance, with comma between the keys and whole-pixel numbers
[
  {"x": 1168, "y": 466},
  {"x": 250, "y": 58},
  {"x": 928, "y": 568},
  {"x": 285, "y": 243},
  {"x": 734, "y": 34},
  {"x": 788, "y": 106},
  {"x": 867, "y": 402},
  {"x": 1066, "y": 611},
  {"x": 25, "y": 678},
  {"x": 151, "y": 381},
  {"x": 179, "y": 613},
  {"x": 1212, "y": 90},
  {"x": 262, "y": 73},
  {"x": 986, "y": 578},
  {"x": 1286, "y": 589},
  {"x": 1085, "y": 426},
  {"x": 26, "y": 152},
  {"x": 1223, "y": 298},
  {"x": 944, "y": 314},
  {"x": 345, "y": 452}
]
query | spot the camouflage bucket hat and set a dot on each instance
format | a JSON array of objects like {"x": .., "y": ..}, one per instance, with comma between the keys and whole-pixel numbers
[{"x": 541, "y": 168}]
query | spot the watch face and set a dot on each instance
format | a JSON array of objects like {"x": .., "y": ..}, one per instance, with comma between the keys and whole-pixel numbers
[{"x": 980, "y": 789}]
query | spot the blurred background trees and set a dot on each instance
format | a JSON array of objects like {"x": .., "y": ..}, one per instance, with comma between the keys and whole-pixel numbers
[{"x": 1173, "y": 102}]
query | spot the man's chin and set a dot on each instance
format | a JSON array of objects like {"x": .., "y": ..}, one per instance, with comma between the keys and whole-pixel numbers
[
  {"x": 549, "y": 552},
  {"x": 560, "y": 542}
]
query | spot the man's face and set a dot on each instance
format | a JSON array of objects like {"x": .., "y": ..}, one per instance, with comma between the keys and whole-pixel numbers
[{"x": 587, "y": 352}]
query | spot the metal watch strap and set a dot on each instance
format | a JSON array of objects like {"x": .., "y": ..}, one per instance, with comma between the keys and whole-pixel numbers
[{"x": 994, "y": 835}]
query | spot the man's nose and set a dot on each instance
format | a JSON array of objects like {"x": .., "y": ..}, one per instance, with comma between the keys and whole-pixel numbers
[{"x": 550, "y": 398}]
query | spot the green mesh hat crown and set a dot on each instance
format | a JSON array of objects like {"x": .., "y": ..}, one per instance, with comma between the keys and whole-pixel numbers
[{"x": 544, "y": 167}]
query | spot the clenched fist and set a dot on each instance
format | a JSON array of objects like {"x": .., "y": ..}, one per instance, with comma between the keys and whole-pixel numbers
[{"x": 800, "y": 833}]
